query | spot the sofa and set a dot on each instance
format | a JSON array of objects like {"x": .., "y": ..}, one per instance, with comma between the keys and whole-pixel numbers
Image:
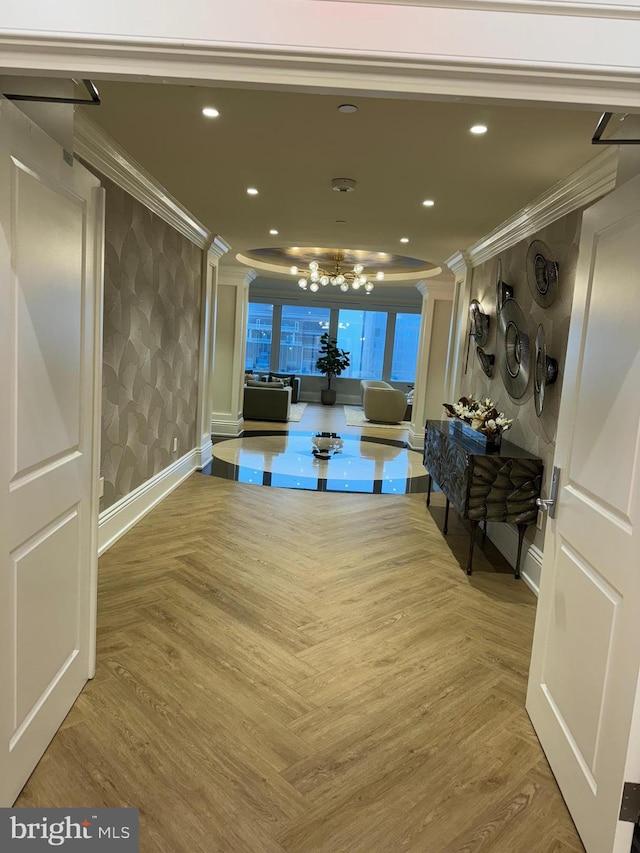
[
  {"x": 266, "y": 401},
  {"x": 382, "y": 403}
]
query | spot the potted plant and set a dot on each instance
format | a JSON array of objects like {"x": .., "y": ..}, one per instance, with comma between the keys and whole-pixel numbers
[{"x": 332, "y": 361}]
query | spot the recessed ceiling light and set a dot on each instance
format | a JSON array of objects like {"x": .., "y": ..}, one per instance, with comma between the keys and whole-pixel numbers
[
  {"x": 341, "y": 221},
  {"x": 404, "y": 239},
  {"x": 478, "y": 129},
  {"x": 210, "y": 112},
  {"x": 252, "y": 191},
  {"x": 347, "y": 108},
  {"x": 273, "y": 231},
  {"x": 428, "y": 202}
]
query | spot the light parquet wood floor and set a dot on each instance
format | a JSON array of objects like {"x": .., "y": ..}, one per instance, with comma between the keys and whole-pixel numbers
[{"x": 307, "y": 672}]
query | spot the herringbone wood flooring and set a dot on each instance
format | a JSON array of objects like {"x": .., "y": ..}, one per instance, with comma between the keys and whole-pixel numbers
[{"x": 285, "y": 671}]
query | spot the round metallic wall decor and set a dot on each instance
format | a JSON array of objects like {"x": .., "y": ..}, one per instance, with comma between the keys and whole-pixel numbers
[
  {"x": 480, "y": 323},
  {"x": 545, "y": 371},
  {"x": 486, "y": 361},
  {"x": 542, "y": 274},
  {"x": 503, "y": 291},
  {"x": 515, "y": 349}
]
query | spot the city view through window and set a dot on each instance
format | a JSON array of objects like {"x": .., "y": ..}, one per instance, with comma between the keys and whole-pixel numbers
[{"x": 286, "y": 339}]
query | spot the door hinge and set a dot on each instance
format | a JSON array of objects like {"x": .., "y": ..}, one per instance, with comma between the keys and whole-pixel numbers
[{"x": 630, "y": 805}]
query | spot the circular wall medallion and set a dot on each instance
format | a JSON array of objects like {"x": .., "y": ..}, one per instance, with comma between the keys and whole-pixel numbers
[
  {"x": 542, "y": 274},
  {"x": 486, "y": 361},
  {"x": 514, "y": 348},
  {"x": 503, "y": 291},
  {"x": 545, "y": 371},
  {"x": 479, "y": 323}
]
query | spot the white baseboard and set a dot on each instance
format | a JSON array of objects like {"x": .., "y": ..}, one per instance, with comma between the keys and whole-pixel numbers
[
  {"x": 505, "y": 538},
  {"x": 416, "y": 439},
  {"x": 115, "y": 521},
  {"x": 227, "y": 427},
  {"x": 205, "y": 452}
]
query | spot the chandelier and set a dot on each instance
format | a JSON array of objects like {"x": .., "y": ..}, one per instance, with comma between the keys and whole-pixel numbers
[{"x": 316, "y": 277}]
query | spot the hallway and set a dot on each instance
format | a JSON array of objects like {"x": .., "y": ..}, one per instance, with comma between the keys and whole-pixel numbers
[{"x": 296, "y": 671}]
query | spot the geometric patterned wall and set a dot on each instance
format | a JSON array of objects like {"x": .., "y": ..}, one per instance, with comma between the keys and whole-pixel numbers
[
  {"x": 152, "y": 304},
  {"x": 538, "y": 435}
]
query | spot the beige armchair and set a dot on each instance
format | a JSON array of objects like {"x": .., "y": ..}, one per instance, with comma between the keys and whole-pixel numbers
[{"x": 381, "y": 402}]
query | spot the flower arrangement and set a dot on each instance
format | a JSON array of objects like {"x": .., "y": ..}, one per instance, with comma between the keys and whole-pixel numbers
[{"x": 481, "y": 415}]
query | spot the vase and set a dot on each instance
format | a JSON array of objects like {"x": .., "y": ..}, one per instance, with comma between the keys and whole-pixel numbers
[{"x": 489, "y": 442}]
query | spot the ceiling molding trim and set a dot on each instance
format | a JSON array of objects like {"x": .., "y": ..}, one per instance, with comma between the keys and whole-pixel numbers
[
  {"x": 452, "y": 76},
  {"x": 577, "y": 8},
  {"x": 588, "y": 183},
  {"x": 101, "y": 151},
  {"x": 436, "y": 290},
  {"x": 218, "y": 247},
  {"x": 459, "y": 263}
]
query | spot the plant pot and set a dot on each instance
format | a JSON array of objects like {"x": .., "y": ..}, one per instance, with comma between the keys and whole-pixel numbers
[{"x": 328, "y": 396}]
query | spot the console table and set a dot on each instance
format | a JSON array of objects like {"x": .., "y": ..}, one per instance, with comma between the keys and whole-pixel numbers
[{"x": 482, "y": 486}]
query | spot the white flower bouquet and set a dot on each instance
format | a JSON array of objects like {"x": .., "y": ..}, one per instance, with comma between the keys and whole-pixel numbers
[{"x": 481, "y": 415}]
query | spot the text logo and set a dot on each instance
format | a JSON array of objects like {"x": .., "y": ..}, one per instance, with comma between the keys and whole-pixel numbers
[{"x": 79, "y": 830}]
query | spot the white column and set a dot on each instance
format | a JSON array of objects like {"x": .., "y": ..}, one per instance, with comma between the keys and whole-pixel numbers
[
  {"x": 429, "y": 391},
  {"x": 231, "y": 300},
  {"x": 209, "y": 280},
  {"x": 460, "y": 265}
]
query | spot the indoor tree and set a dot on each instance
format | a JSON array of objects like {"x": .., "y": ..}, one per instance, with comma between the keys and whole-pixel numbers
[{"x": 332, "y": 362}]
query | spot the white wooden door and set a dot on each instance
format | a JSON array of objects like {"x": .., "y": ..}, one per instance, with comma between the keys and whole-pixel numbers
[
  {"x": 50, "y": 247},
  {"x": 586, "y": 651}
]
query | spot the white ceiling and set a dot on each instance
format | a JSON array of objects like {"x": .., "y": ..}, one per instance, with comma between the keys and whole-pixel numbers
[{"x": 290, "y": 145}]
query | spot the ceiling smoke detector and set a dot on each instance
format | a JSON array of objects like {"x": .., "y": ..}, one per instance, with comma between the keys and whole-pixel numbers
[{"x": 343, "y": 185}]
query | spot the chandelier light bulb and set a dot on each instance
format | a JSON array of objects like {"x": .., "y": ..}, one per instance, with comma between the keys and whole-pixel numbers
[
  {"x": 333, "y": 280},
  {"x": 303, "y": 283},
  {"x": 363, "y": 279},
  {"x": 344, "y": 287},
  {"x": 379, "y": 276},
  {"x": 314, "y": 277},
  {"x": 313, "y": 265},
  {"x": 340, "y": 279},
  {"x": 368, "y": 286},
  {"x": 324, "y": 280},
  {"x": 358, "y": 269},
  {"x": 294, "y": 270},
  {"x": 313, "y": 287},
  {"x": 355, "y": 284}
]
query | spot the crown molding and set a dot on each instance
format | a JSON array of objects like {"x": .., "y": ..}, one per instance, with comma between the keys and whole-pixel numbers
[
  {"x": 459, "y": 262},
  {"x": 435, "y": 290},
  {"x": 575, "y": 8},
  {"x": 585, "y": 185},
  {"x": 80, "y": 54},
  {"x": 101, "y": 151},
  {"x": 218, "y": 247}
]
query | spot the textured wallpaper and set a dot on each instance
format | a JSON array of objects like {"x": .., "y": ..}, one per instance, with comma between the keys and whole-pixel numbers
[
  {"x": 534, "y": 434},
  {"x": 151, "y": 341}
]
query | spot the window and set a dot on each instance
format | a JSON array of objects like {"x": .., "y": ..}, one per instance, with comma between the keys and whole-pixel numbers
[
  {"x": 405, "y": 348},
  {"x": 300, "y": 333},
  {"x": 362, "y": 335},
  {"x": 259, "y": 330}
]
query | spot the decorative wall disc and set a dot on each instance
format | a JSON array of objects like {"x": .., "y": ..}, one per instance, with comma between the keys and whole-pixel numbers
[
  {"x": 545, "y": 371},
  {"x": 479, "y": 323},
  {"x": 515, "y": 349},
  {"x": 503, "y": 291},
  {"x": 486, "y": 361},
  {"x": 542, "y": 274}
]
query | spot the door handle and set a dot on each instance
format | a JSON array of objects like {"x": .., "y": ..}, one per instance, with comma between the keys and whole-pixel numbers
[{"x": 549, "y": 504}]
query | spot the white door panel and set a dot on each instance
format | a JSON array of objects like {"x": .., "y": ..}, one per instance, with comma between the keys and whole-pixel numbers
[
  {"x": 586, "y": 655},
  {"x": 50, "y": 213}
]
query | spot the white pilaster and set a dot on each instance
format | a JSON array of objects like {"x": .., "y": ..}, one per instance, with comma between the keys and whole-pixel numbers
[
  {"x": 461, "y": 266},
  {"x": 429, "y": 390},
  {"x": 209, "y": 278},
  {"x": 231, "y": 300}
]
